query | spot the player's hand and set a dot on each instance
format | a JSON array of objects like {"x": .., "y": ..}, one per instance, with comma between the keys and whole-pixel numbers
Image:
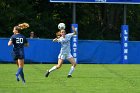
[
  {"x": 55, "y": 40},
  {"x": 73, "y": 28},
  {"x": 74, "y": 31}
]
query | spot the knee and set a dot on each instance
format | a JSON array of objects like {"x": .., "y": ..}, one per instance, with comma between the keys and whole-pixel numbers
[
  {"x": 20, "y": 65},
  {"x": 74, "y": 65},
  {"x": 58, "y": 66}
]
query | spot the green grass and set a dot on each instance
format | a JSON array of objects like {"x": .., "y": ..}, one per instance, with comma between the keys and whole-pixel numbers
[{"x": 87, "y": 78}]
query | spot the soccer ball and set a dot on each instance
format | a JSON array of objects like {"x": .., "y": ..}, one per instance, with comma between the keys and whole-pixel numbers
[{"x": 61, "y": 26}]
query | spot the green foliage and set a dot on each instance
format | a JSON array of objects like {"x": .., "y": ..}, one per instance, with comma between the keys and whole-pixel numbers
[{"x": 96, "y": 21}]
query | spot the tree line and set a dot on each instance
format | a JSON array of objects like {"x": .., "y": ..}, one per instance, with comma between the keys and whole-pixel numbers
[{"x": 95, "y": 21}]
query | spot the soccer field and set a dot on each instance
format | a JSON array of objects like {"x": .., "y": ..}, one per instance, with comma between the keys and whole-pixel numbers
[{"x": 87, "y": 78}]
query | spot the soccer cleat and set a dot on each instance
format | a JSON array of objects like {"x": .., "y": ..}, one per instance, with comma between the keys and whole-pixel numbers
[
  {"x": 23, "y": 81},
  {"x": 69, "y": 76},
  {"x": 47, "y": 74}
]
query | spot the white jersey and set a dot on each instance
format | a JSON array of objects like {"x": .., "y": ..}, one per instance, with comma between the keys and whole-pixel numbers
[{"x": 65, "y": 43}]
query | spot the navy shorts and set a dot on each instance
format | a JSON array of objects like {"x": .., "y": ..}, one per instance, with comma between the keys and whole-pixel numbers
[{"x": 18, "y": 55}]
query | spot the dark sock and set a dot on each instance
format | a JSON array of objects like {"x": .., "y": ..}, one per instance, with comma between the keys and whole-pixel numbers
[{"x": 22, "y": 75}]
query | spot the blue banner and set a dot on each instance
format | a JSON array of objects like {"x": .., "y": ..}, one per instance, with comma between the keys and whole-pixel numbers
[
  {"x": 100, "y": 1},
  {"x": 75, "y": 42},
  {"x": 124, "y": 39},
  {"x": 89, "y": 51}
]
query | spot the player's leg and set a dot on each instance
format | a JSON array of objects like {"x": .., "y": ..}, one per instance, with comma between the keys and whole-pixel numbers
[
  {"x": 20, "y": 69},
  {"x": 17, "y": 78},
  {"x": 21, "y": 61},
  {"x": 60, "y": 62},
  {"x": 15, "y": 57},
  {"x": 72, "y": 61},
  {"x": 21, "y": 65},
  {"x": 22, "y": 76}
]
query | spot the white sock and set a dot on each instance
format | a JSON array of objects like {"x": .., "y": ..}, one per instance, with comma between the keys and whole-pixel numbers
[
  {"x": 52, "y": 69},
  {"x": 71, "y": 70}
]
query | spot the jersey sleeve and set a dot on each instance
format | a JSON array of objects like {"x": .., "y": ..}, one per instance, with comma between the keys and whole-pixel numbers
[
  {"x": 69, "y": 35},
  {"x": 11, "y": 38},
  {"x": 25, "y": 40},
  {"x": 59, "y": 40}
]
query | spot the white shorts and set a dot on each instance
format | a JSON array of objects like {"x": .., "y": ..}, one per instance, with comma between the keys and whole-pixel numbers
[{"x": 65, "y": 56}]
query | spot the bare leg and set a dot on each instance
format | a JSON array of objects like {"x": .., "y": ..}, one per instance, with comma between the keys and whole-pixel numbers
[
  {"x": 72, "y": 61},
  {"x": 60, "y": 62},
  {"x": 20, "y": 64}
]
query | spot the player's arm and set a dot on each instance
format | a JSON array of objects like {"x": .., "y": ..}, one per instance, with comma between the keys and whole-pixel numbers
[
  {"x": 55, "y": 40},
  {"x": 72, "y": 34},
  {"x": 10, "y": 42},
  {"x": 26, "y": 44},
  {"x": 74, "y": 31}
]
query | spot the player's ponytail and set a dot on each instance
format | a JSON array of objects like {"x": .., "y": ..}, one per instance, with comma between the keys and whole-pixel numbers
[{"x": 22, "y": 26}]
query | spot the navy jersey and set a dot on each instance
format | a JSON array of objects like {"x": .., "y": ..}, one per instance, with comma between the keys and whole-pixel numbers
[{"x": 18, "y": 41}]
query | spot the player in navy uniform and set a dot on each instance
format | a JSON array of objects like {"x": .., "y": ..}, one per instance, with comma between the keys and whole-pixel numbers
[{"x": 19, "y": 41}]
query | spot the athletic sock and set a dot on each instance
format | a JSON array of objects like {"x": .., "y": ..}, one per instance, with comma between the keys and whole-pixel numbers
[
  {"x": 18, "y": 71},
  {"x": 71, "y": 70},
  {"x": 22, "y": 75},
  {"x": 52, "y": 69}
]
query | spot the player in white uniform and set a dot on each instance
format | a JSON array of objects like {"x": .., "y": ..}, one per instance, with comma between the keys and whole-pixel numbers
[{"x": 65, "y": 52}]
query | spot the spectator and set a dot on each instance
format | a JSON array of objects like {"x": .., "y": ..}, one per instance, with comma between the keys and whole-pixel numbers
[{"x": 32, "y": 35}]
